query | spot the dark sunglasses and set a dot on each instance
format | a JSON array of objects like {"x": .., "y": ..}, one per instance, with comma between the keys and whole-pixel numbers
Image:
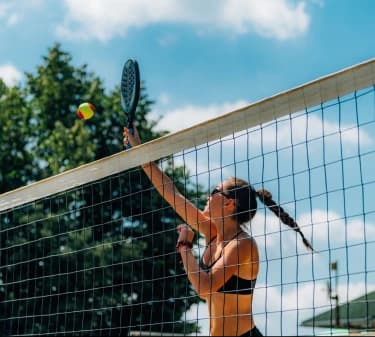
[{"x": 216, "y": 190}]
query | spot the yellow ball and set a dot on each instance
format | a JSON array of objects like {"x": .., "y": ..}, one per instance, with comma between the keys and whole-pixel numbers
[{"x": 85, "y": 110}]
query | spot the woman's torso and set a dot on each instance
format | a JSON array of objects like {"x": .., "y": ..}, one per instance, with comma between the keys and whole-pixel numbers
[{"x": 230, "y": 308}]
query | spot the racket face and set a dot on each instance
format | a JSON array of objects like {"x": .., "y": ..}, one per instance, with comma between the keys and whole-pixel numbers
[{"x": 130, "y": 86}]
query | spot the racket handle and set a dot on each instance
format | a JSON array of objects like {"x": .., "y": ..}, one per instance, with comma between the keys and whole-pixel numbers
[{"x": 131, "y": 130}]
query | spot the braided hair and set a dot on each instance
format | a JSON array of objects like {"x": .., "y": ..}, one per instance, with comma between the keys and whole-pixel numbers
[
  {"x": 266, "y": 198},
  {"x": 246, "y": 205}
]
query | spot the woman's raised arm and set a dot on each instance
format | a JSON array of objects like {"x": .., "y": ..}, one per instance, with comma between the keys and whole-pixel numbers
[{"x": 165, "y": 186}]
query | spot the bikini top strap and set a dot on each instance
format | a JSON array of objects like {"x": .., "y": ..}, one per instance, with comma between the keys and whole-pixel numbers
[{"x": 221, "y": 253}]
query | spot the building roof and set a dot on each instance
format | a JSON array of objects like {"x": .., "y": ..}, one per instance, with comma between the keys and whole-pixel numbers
[{"x": 357, "y": 314}]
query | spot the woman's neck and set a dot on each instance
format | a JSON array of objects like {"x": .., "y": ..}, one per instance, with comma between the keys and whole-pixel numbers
[{"x": 227, "y": 231}]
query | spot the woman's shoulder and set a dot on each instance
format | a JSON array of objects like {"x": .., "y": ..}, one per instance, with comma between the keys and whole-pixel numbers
[
  {"x": 250, "y": 240},
  {"x": 246, "y": 236},
  {"x": 245, "y": 243}
]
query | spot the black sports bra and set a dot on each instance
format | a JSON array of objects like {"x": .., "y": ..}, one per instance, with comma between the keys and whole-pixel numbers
[{"x": 235, "y": 285}]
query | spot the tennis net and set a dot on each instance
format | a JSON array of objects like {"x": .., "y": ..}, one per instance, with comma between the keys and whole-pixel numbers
[{"x": 91, "y": 251}]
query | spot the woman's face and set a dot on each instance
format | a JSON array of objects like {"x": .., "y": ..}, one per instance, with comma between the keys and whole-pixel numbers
[{"x": 217, "y": 201}]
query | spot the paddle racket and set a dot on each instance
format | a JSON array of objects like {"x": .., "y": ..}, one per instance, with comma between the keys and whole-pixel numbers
[{"x": 130, "y": 88}]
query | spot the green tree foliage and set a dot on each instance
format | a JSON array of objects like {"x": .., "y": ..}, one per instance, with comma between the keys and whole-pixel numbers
[
  {"x": 55, "y": 92},
  {"x": 100, "y": 259},
  {"x": 16, "y": 162}
]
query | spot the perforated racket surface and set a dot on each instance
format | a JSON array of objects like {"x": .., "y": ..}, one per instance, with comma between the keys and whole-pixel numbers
[{"x": 130, "y": 87}]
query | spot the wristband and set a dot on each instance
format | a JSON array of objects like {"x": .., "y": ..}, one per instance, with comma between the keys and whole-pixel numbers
[
  {"x": 184, "y": 244},
  {"x": 147, "y": 165}
]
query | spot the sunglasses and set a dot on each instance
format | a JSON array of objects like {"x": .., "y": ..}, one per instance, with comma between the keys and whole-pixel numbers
[{"x": 216, "y": 191}]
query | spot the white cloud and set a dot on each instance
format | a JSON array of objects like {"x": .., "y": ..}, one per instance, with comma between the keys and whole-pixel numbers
[
  {"x": 305, "y": 134},
  {"x": 307, "y": 127},
  {"x": 324, "y": 229},
  {"x": 323, "y": 226},
  {"x": 266, "y": 228},
  {"x": 301, "y": 128},
  {"x": 4, "y": 8},
  {"x": 103, "y": 20},
  {"x": 167, "y": 39},
  {"x": 188, "y": 116},
  {"x": 6, "y": 14},
  {"x": 164, "y": 98},
  {"x": 10, "y": 74},
  {"x": 12, "y": 12},
  {"x": 273, "y": 18},
  {"x": 14, "y": 19}
]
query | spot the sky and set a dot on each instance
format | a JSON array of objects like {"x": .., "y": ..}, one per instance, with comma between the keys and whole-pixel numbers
[{"x": 200, "y": 59}]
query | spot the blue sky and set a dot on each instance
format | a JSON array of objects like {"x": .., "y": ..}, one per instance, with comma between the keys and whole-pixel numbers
[
  {"x": 204, "y": 58},
  {"x": 200, "y": 59}
]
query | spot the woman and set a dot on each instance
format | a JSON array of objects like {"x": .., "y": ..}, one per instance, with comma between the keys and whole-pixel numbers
[{"x": 227, "y": 271}]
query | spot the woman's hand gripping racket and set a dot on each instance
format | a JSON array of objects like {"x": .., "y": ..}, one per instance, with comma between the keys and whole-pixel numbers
[{"x": 130, "y": 88}]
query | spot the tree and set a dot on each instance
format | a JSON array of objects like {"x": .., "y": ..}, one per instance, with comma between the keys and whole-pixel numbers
[
  {"x": 16, "y": 162},
  {"x": 99, "y": 259},
  {"x": 60, "y": 140}
]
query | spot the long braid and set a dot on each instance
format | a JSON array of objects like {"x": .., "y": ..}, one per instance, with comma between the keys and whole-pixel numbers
[{"x": 266, "y": 198}]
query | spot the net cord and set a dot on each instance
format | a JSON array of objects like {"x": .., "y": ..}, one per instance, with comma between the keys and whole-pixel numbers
[{"x": 323, "y": 89}]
